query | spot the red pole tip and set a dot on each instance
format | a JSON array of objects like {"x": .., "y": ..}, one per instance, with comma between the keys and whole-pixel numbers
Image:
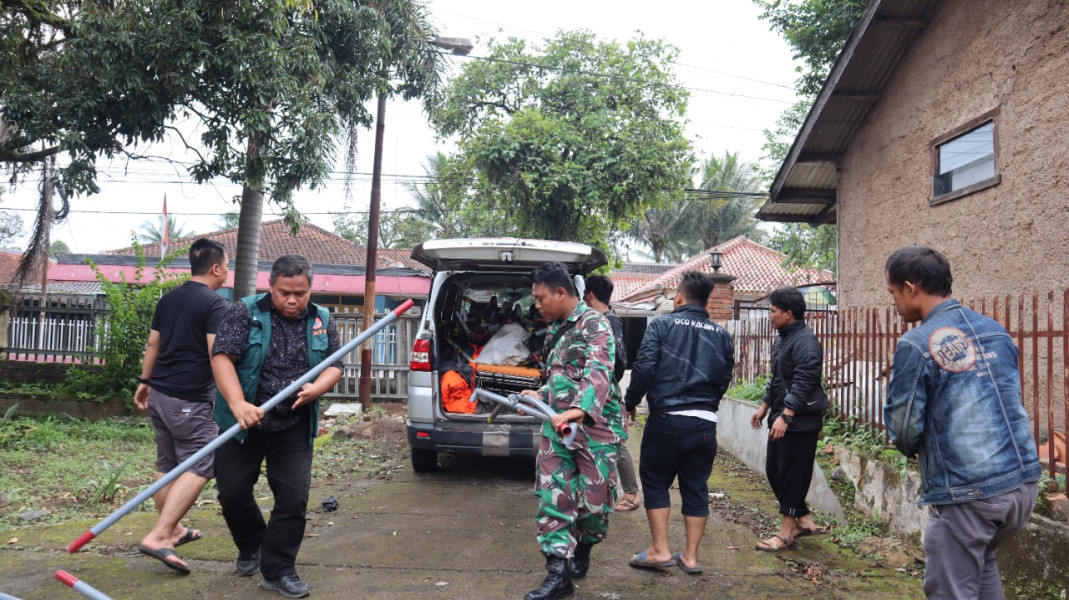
[
  {"x": 68, "y": 579},
  {"x": 407, "y": 304},
  {"x": 81, "y": 541}
]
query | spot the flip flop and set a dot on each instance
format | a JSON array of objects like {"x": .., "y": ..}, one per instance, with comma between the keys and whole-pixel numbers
[
  {"x": 626, "y": 504},
  {"x": 639, "y": 560},
  {"x": 162, "y": 555},
  {"x": 818, "y": 530},
  {"x": 787, "y": 545},
  {"x": 191, "y": 535},
  {"x": 696, "y": 570}
]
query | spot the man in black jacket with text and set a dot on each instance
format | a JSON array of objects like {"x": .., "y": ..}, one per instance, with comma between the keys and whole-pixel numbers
[{"x": 683, "y": 368}]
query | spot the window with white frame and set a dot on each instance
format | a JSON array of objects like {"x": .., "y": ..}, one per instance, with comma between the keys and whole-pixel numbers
[{"x": 965, "y": 161}]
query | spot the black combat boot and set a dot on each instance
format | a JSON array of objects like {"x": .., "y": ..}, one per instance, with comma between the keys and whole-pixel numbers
[
  {"x": 558, "y": 583},
  {"x": 580, "y": 561}
]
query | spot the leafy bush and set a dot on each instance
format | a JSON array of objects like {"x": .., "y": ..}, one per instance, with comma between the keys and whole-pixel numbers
[
  {"x": 125, "y": 330},
  {"x": 753, "y": 392}
]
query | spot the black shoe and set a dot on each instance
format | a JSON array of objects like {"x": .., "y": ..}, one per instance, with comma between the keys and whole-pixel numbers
[
  {"x": 248, "y": 564},
  {"x": 579, "y": 563},
  {"x": 289, "y": 586},
  {"x": 558, "y": 584}
]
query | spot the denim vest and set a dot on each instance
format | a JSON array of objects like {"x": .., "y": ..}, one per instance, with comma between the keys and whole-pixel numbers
[
  {"x": 955, "y": 398},
  {"x": 248, "y": 368}
]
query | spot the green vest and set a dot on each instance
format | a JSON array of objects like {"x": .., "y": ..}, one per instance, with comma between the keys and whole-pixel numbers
[{"x": 252, "y": 362}]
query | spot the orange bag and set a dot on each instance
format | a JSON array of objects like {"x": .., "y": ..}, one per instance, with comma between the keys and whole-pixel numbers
[{"x": 456, "y": 392}]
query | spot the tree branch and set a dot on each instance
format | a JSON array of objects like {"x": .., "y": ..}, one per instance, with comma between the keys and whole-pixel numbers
[{"x": 9, "y": 155}]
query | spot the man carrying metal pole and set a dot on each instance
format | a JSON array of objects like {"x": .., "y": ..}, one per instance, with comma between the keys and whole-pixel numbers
[
  {"x": 264, "y": 343},
  {"x": 573, "y": 483},
  {"x": 177, "y": 388}
]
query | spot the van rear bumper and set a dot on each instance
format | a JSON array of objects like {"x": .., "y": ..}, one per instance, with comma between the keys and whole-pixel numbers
[{"x": 480, "y": 438}]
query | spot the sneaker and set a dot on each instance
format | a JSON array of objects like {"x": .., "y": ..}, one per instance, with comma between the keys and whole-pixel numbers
[
  {"x": 248, "y": 564},
  {"x": 289, "y": 586}
]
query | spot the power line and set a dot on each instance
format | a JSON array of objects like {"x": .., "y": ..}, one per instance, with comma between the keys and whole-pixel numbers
[{"x": 619, "y": 78}]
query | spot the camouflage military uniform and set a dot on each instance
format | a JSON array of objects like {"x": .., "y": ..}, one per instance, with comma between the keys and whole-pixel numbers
[{"x": 575, "y": 488}]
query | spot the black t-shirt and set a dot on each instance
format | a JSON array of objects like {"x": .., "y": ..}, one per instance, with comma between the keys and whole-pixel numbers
[{"x": 184, "y": 317}]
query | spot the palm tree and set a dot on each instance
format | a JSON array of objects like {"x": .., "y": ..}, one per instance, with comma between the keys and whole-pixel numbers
[
  {"x": 229, "y": 220},
  {"x": 150, "y": 231},
  {"x": 718, "y": 217},
  {"x": 665, "y": 229}
]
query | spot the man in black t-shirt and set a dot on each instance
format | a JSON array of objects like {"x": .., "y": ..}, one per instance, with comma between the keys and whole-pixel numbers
[
  {"x": 177, "y": 387},
  {"x": 597, "y": 296}
]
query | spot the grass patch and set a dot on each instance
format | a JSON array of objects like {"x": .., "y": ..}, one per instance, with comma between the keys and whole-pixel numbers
[
  {"x": 51, "y": 464},
  {"x": 69, "y": 469}
]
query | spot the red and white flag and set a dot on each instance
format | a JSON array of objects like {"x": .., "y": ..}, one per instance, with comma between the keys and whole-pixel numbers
[{"x": 165, "y": 238}]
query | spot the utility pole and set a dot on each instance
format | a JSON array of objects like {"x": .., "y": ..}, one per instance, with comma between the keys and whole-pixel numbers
[
  {"x": 460, "y": 46},
  {"x": 371, "y": 264},
  {"x": 46, "y": 223}
]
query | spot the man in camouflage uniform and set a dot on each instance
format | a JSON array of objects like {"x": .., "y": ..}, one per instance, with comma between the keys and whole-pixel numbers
[{"x": 574, "y": 485}]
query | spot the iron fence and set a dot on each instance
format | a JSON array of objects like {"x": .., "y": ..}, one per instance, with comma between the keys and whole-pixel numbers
[{"x": 71, "y": 327}]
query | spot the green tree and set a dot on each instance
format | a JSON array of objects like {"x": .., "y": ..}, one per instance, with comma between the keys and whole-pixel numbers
[
  {"x": 150, "y": 231},
  {"x": 665, "y": 229},
  {"x": 58, "y": 247},
  {"x": 720, "y": 217},
  {"x": 125, "y": 328},
  {"x": 272, "y": 84},
  {"x": 808, "y": 246},
  {"x": 230, "y": 219},
  {"x": 11, "y": 228},
  {"x": 817, "y": 31},
  {"x": 571, "y": 139}
]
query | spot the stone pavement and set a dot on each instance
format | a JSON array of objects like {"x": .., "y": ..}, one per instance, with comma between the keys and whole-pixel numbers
[{"x": 464, "y": 532}]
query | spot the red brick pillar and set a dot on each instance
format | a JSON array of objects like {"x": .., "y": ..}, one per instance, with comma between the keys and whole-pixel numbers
[{"x": 721, "y": 302}]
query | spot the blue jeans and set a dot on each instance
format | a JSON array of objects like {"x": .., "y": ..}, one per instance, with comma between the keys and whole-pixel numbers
[{"x": 677, "y": 446}]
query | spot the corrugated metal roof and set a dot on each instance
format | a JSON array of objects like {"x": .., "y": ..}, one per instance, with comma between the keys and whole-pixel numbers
[{"x": 804, "y": 189}]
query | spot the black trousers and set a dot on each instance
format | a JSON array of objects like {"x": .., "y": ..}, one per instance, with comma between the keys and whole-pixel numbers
[
  {"x": 789, "y": 468},
  {"x": 289, "y": 473}
]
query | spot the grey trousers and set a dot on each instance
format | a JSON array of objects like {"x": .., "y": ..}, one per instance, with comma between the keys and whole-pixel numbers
[
  {"x": 961, "y": 539},
  {"x": 625, "y": 466}
]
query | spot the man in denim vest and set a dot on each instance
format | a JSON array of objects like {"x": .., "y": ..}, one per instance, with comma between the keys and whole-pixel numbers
[
  {"x": 955, "y": 400},
  {"x": 265, "y": 342}
]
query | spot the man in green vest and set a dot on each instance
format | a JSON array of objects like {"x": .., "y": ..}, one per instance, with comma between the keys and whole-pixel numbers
[{"x": 264, "y": 343}]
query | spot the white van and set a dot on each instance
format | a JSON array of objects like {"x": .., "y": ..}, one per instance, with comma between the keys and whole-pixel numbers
[{"x": 480, "y": 285}]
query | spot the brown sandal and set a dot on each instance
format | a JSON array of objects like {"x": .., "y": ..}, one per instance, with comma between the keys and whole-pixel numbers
[
  {"x": 767, "y": 545},
  {"x": 626, "y": 504}
]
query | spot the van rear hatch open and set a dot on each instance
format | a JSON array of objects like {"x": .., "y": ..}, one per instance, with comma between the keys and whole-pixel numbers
[{"x": 506, "y": 254}]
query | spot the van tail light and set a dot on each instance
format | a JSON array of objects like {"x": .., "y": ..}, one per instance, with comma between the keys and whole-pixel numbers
[{"x": 421, "y": 356}]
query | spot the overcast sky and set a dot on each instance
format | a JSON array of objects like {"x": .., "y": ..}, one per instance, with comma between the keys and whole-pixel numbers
[{"x": 740, "y": 76}]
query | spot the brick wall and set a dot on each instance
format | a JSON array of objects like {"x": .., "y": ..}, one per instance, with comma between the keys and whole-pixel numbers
[{"x": 721, "y": 301}]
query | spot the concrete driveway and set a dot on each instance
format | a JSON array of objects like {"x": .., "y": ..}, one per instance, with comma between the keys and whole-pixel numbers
[{"x": 464, "y": 532}]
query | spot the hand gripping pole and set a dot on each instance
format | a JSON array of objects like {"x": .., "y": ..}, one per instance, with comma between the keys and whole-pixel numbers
[
  {"x": 229, "y": 433},
  {"x": 80, "y": 586},
  {"x": 532, "y": 406}
]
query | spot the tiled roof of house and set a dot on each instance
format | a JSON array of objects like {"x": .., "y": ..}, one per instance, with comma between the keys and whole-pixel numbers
[
  {"x": 647, "y": 268},
  {"x": 625, "y": 283},
  {"x": 758, "y": 270},
  {"x": 9, "y": 265},
  {"x": 315, "y": 243}
]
